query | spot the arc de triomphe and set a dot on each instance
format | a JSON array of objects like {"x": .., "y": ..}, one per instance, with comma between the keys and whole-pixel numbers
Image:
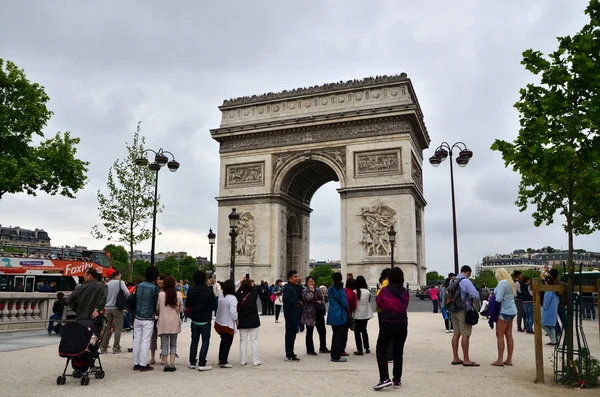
[{"x": 278, "y": 149}]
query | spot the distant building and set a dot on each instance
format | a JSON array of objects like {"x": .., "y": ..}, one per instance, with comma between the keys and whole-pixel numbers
[
  {"x": 17, "y": 236},
  {"x": 537, "y": 259},
  {"x": 202, "y": 261},
  {"x": 147, "y": 256}
]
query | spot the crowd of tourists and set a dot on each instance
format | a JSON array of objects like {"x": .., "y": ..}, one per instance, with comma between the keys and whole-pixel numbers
[{"x": 158, "y": 304}]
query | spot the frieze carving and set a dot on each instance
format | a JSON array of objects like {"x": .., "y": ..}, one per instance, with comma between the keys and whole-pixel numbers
[
  {"x": 245, "y": 174},
  {"x": 417, "y": 173},
  {"x": 316, "y": 135},
  {"x": 356, "y": 83},
  {"x": 245, "y": 245},
  {"x": 337, "y": 155},
  {"x": 378, "y": 219},
  {"x": 379, "y": 162}
]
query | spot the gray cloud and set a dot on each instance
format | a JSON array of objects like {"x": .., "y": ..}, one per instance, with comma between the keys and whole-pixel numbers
[{"x": 108, "y": 65}]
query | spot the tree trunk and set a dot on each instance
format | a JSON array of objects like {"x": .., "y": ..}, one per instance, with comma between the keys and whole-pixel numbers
[{"x": 131, "y": 252}]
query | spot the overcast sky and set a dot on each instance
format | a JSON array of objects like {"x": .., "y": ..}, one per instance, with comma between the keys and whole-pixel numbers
[{"x": 106, "y": 65}]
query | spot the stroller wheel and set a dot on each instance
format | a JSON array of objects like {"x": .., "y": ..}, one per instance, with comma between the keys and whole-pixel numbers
[
  {"x": 76, "y": 374},
  {"x": 100, "y": 374},
  {"x": 58, "y": 380},
  {"x": 85, "y": 381}
]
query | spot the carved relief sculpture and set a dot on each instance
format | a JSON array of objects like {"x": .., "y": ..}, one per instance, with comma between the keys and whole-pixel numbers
[
  {"x": 377, "y": 162},
  {"x": 245, "y": 245},
  {"x": 378, "y": 219},
  {"x": 337, "y": 155},
  {"x": 245, "y": 174},
  {"x": 417, "y": 173}
]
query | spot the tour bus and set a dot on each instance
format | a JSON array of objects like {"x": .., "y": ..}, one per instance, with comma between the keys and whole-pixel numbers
[{"x": 59, "y": 268}]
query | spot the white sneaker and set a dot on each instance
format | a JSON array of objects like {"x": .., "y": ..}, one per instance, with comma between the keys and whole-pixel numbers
[
  {"x": 192, "y": 366},
  {"x": 242, "y": 364},
  {"x": 257, "y": 363},
  {"x": 226, "y": 365},
  {"x": 205, "y": 368}
]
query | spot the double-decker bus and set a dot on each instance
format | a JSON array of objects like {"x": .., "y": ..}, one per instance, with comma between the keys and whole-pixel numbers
[{"x": 28, "y": 268}]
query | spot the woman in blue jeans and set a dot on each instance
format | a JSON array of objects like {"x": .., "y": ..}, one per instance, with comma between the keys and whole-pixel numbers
[
  {"x": 505, "y": 293},
  {"x": 527, "y": 304}
]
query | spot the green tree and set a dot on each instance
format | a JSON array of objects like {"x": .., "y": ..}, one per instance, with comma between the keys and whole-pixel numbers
[
  {"x": 139, "y": 268},
  {"x": 169, "y": 266},
  {"x": 187, "y": 267},
  {"x": 120, "y": 260},
  {"x": 322, "y": 275},
  {"x": 557, "y": 151},
  {"x": 50, "y": 166},
  {"x": 485, "y": 276},
  {"x": 128, "y": 208},
  {"x": 433, "y": 276}
]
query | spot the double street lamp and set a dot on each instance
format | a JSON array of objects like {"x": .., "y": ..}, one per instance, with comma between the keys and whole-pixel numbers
[
  {"x": 233, "y": 220},
  {"x": 392, "y": 236},
  {"x": 160, "y": 160},
  {"x": 464, "y": 155},
  {"x": 211, "y": 241}
]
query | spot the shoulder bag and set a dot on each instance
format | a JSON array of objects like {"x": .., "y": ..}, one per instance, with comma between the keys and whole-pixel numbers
[
  {"x": 120, "y": 302},
  {"x": 350, "y": 320}
]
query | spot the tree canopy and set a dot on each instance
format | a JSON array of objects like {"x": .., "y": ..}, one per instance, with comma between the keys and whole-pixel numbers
[
  {"x": 51, "y": 166},
  {"x": 434, "y": 276},
  {"x": 557, "y": 150},
  {"x": 128, "y": 208},
  {"x": 322, "y": 275},
  {"x": 120, "y": 259}
]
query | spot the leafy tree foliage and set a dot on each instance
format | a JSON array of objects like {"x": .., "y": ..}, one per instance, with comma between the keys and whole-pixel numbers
[
  {"x": 485, "y": 276},
  {"x": 120, "y": 259},
  {"x": 322, "y": 275},
  {"x": 139, "y": 268},
  {"x": 434, "y": 276},
  {"x": 128, "y": 207},
  {"x": 557, "y": 151},
  {"x": 50, "y": 166},
  {"x": 169, "y": 266},
  {"x": 187, "y": 267}
]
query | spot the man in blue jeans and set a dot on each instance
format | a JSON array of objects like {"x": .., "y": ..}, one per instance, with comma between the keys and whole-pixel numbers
[
  {"x": 201, "y": 302},
  {"x": 527, "y": 305},
  {"x": 57, "y": 310}
]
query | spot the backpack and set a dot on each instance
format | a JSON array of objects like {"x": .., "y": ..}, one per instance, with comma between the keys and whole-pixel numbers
[{"x": 454, "y": 302}]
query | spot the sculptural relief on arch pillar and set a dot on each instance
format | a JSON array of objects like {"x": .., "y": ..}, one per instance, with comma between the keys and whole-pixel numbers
[{"x": 278, "y": 149}]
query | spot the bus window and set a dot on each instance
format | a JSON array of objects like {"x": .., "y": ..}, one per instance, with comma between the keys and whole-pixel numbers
[
  {"x": 98, "y": 257},
  {"x": 56, "y": 282},
  {"x": 29, "y": 283},
  {"x": 5, "y": 283}
]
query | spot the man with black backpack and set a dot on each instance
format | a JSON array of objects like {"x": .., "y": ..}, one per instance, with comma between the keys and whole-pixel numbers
[
  {"x": 115, "y": 303},
  {"x": 462, "y": 301}
]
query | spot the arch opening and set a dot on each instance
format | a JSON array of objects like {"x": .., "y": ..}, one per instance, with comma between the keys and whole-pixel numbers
[{"x": 303, "y": 180}]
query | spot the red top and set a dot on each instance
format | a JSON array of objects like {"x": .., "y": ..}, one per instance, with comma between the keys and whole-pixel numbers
[
  {"x": 433, "y": 293},
  {"x": 352, "y": 301}
]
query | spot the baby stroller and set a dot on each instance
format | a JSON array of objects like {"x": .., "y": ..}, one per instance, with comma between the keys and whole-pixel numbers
[{"x": 79, "y": 344}]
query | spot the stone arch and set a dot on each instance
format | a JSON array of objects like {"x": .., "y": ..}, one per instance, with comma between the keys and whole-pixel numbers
[
  {"x": 302, "y": 175},
  {"x": 293, "y": 243}
]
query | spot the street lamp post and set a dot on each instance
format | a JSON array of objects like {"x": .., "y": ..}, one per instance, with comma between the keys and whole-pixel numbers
[
  {"x": 233, "y": 219},
  {"x": 211, "y": 241},
  {"x": 160, "y": 160},
  {"x": 392, "y": 236},
  {"x": 441, "y": 153}
]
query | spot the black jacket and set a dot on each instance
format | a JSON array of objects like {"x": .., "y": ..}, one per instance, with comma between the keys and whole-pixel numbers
[
  {"x": 59, "y": 307},
  {"x": 248, "y": 311},
  {"x": 292, "y": 307},
  {"x": 201, "y": 302}
]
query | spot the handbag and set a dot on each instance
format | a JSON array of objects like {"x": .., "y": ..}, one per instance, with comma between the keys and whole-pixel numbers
[
  {"x": 273, "y": 297},
  {"x": 120, "y": 302},
  {"x": 471, "y": 317}
]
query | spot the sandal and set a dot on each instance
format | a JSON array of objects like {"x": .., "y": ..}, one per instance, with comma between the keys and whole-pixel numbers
[
  {"x": 457, "y": 363},
  {"x": 473, "y": 364}
]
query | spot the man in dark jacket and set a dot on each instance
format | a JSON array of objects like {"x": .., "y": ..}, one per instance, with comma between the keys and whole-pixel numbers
[
  {"x": 299, "y": 289},
  {"x": 292, "y": 311},
  {"x": 201, "y": 302},
  {"x": 57, "y": 309},
  {"x": 263, "y": 294},
  {"x": 88, "y": 299}
]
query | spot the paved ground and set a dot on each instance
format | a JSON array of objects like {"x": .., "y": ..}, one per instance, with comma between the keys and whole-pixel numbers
[{"x": 427, "y": 369}]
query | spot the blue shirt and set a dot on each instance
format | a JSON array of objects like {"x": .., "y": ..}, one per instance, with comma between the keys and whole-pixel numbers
[
  {"x": 504, "y": 294},
  {"x": 468, "y": 292}
]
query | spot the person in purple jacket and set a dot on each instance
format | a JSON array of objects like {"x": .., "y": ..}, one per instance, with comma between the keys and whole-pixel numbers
[{"x": 392, "y": 301}]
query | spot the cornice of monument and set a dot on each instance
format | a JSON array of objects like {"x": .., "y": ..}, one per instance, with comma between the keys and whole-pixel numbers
[{"x": 318, "y": 89}]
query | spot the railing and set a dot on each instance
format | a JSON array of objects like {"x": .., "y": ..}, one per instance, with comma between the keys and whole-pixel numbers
[
  {"x": 588, "y": 304},
  {"x": 25, "y": 310}
]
